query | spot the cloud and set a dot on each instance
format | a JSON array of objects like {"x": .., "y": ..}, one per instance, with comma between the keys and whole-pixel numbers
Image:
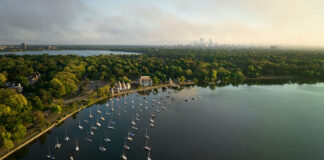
[
  {"x": 38, "y": 20},
  {"x": 290, "y": 22}
]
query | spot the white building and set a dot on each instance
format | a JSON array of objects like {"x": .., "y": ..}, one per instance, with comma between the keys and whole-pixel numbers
[{"x": 145, "y": 81}]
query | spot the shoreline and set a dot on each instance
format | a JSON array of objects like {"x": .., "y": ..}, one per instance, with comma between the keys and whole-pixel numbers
[{"x": 60, "y": 120}]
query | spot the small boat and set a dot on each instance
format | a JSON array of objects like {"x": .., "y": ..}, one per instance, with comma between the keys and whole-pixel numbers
[
  {"x": 149, "y": 156},
  {"x": 129, "y": 137},
  {"x": 97, "y": 123},
  {"x": 131, "y": 134},
  {"x": 126, "y": 146},
  {"x": 157, "y": 111},
  {"x": 91, "y": 132},
  {"x": 164, "y": 108},
  {"x": 87, "y": 138},
  {"x": 98, "y": 110},
  {"x": 66, "y": 138},
  {"x": 57, "y": 145},
  {"x": 145, "y": 107},
  {"x": 152, "y": 120},
  {"x": 153, "y": 116},
  {"x": 146, "y": 135},
  {"x": 49, "y": 156},
  {"x": 90, "y": 115},
  {"x": 124, "y": 156},
  {"x": 137, "y": 115},
  {"x": 107, "y": 104},
  {"x": 135, "y": 128},
  {"x": 71, "y": 158},
  {"x": 133, "y": 123},
  {"x": 77, "y": 146},
  {"x": 102, "y": 148},
  {"x": 79, "y": 126},
  {"x": 94, "y": 127},
  {"x": 151, "y": 125},
  {"x": 106, "y": 139},
  {"x": 102, "y": 118},
  {"x": 137, "y": 119},
  {"x": 85, "y": 121}
]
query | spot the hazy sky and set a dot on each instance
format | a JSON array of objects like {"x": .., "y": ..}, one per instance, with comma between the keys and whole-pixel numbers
[{"x": 259, "y": 22}]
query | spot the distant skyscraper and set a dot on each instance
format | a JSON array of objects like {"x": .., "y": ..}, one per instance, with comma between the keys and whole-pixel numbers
[
  {"x": 210, "y": 44},
  {"x": 23, "y": 46},
  {"x": 202, "y": 42}
]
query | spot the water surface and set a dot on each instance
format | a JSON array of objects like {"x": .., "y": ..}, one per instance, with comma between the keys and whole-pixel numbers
[{"x": 254, "y": 122}]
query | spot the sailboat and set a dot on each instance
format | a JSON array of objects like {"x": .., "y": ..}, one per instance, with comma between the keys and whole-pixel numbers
[
  {"x": 49, "y": 156},
  {"x": 133, "y": 122},
  {"x": 106, "y": 139},
  {"x": 93, "y": 127},
  {"x": 90, "y": 115},
  {"x": 149, "y": 156},
  {"x": 146, "y": 136},
  {"x": 77, "y": 146},
  {"x": 132, "y": 99},
  {"x": 107, "y": 104},
  {"x": 97, "y": 123},
  {"x": 110, "y": 126},
  {"x": 124, "y": 156},
  {"x": 151, "y": 125},
  {"x": 66, "y": 138},
  {"x": 125, "y": 100},
  {"x": 91, "y": 132},
  {"x": 102, "y": 148},
  {"x": 80, "y": 127},
  {"x": 98, "y": 110},
  {"x": 87, "y": 138},
  {"x": 129, "y": 137},
  {"x": 112, "y": 108},
  {"x": 126, "y": 146},
  {"x": 147, "y": 147},
  {"x": 102, "y": 118},
  {"x": 57, "y": 145},
  {"x": 152, "y": 120}
]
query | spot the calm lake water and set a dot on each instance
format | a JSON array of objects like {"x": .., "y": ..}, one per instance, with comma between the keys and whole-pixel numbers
[
  {"x": 258, "y": 122},
  {"x": 74, "y": 52}
]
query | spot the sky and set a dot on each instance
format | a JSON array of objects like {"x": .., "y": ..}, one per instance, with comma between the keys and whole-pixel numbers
[{"x": 159, "y": 22}]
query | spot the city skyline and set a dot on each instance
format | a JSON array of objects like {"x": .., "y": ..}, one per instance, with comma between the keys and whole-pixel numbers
[{"x": 233, "y": 22}]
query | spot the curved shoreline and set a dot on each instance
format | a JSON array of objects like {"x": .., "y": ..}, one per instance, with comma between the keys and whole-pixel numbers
[{"x": 70, "y": 114}]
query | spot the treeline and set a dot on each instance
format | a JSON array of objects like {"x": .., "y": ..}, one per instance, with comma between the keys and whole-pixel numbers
[{"x": 65, "y": 76}]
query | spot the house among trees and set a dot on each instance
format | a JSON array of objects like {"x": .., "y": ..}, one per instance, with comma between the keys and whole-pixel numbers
[
  {"x": 145, "y": 81},
  {"x": 34, "y": 77},
  {"x": 16, "y": 86}
]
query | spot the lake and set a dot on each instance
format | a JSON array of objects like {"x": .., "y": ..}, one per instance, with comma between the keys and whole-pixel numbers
[
  {"x": 253, "y": 122},
  {"x": 74, "y": 52}
]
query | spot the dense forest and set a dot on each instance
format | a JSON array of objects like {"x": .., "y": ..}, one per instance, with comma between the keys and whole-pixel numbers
[{"x": 64, "y": 76}]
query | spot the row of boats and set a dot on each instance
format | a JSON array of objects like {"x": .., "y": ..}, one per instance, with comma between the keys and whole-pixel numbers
[{"x": 161, "y": 102}]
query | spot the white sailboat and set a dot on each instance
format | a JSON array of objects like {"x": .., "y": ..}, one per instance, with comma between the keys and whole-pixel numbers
[
  {"x": 66, "y": 138},
  {"x": 129, "y": 137},
  {"x": 98, "y": 110},
  {"x": 91, "y": 132},
  {"x": 49, "y": 156},
  {"x": 57, "y": 145},
  {"x": 126, "y": 146},
  {"x": 146, "y": 135},
  {"x": 102, "y": 118},
  {"x": 109, "y": 125},
  {"x": 149, "y": 156},
  {"x": 77, "y": 146},
  {"x": 147, "y": 147},
  {"x": 133, "y": 122},
  {"x": 106, "y": 139},
  {"x": 90, "y": 115},
  {"x": 151, "y": 125},
  {"x": 97, "y": 123},
  {"x": 102, "y": 148},
  {"x": 124, "y": 156},
  {"x": 87, "y": 138},
  {"x": 79, "y": 126}
]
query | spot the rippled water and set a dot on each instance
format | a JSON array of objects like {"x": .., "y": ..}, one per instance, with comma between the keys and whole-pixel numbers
[{"x": 244, "y": 122}]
